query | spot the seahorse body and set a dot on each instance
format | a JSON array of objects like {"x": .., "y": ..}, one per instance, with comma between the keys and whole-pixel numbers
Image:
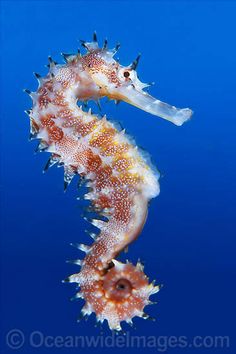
[{"x": 120, "y": 180}]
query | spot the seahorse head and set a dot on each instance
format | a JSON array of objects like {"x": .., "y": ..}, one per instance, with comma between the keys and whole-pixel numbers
[{"x": 121, "y": 83}]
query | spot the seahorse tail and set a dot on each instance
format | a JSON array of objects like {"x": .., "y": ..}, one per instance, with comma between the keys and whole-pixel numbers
[
  {"x": 114, "y": 291},
  {"x": 118, "y": 294}
]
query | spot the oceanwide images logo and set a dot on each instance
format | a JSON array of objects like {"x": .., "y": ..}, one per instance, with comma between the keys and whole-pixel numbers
[{"x": 16, "y": 339}]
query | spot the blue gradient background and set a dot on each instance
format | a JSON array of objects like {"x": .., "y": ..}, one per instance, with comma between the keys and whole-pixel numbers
[{"x": 188, "y": 243}]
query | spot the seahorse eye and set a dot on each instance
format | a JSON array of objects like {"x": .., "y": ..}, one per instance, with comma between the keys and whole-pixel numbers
[{"x": 126, "y": 74}]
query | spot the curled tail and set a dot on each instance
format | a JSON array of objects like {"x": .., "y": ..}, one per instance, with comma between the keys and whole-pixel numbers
[{"x": 115, "y": 291}]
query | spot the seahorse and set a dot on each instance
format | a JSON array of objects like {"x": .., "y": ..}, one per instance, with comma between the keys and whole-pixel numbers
[{"x": 119, "y": 177}]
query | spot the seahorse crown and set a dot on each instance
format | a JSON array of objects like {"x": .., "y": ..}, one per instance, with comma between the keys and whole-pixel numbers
[{"x": 119, "y": 177}]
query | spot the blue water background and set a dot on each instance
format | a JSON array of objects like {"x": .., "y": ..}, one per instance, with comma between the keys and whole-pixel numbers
[{"x": 188, "y": 243}]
